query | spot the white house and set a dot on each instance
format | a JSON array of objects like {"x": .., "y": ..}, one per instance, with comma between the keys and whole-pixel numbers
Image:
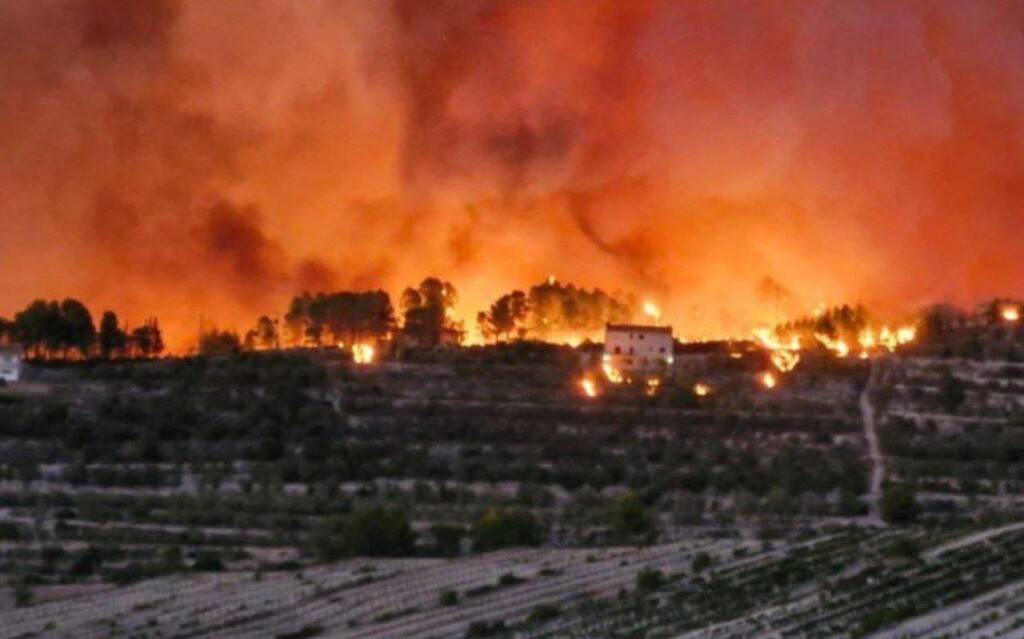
[
  {"x": 11, "y": 358},
  {"x": 635, "y": 348}
]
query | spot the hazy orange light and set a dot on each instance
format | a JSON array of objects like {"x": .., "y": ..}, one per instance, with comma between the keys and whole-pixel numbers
[
  {"x": 769, "y": 381},
  {"x": 701, "y": 389},
  {"x": 362, "y": 353},
  {"x": 1011, "y": 314},
  {"x": 589, "y": 387},
  {"x": 652, "y": 311},
  {"x": 653, "y": 384}
]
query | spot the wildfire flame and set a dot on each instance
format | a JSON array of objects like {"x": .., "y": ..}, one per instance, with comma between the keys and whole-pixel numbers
[
  {"x": 589, "y": 387},
  {"x": 1011, "y": 314},
  {"x": 701, "y": 389},
  {"x": 837, "y": 346},
  {"x": 784, "y": 355},
  {"x": 768, "y": 380},
  {"x": 612, "y": 374},
  {"x": 362, "y": 353},
  {"x": 653, "y": 384}
]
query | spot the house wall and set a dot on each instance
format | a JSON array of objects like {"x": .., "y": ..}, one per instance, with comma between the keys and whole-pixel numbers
[
  {"x": 10, "y": 367},
  {"x": 638, "y": 349}
]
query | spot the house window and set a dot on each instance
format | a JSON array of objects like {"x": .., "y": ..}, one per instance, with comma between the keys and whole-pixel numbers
[
  {"x": 641, "y": 335},
  {"x": 618, "y": 350}
]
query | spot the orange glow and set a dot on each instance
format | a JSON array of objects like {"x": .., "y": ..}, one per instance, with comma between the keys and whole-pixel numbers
[
  {"x": 589, "y": 387},
  {"x": 362, "y": 353},
  {"x": 493, "y": 144},
  {"x": 612, "y": 374},
  {"x": 1010, "y": 314},
  {"x": 701, "y": 389},
  {"x": 652, "y": 311},
  {"x": 653, "y": 384},
  {"x": 768, "y": 380},
  {"x": 839, "y": 347},
  {"x": 784, "y": 355}
]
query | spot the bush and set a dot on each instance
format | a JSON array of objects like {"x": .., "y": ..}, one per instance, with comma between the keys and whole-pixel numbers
[
  {"x": 544, "y": 613},
  {"x": 448, "y": 598},
  {"x": 484, "y": 629},
  {"x": 208, "y": 562},
  {"x": 899, "y": 505},
  {"x": 376, "y": 531},
  {"x": 505, "y": 529},
  {"x": 649, "y": 580},
  {"x": 701, "y": 562}
]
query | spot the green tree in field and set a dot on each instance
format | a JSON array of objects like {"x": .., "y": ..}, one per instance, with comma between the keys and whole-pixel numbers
[
  {"x": 629, "y": 518},
  {"x": 370, "y": 531},
  {"x": 501, "y": 528},
  {"x": 649, "y": 580},
  {"x": 899, "y": 505}
]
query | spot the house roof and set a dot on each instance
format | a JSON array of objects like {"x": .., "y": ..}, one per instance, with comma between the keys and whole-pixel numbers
[{"x": 637, "y": 328}]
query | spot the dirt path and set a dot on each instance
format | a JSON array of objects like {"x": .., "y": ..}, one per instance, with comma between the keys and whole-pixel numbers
[{"x": 867, "y": 411}]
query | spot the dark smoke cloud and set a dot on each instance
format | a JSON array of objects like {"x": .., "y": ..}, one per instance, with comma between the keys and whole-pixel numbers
[{"x": 214, "y": 156}]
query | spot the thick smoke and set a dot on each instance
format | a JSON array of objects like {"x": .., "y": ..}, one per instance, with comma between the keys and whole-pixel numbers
[{"x": 187, "y": 157}]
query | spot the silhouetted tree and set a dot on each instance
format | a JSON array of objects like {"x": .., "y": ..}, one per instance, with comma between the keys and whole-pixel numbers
[
  {"x": 216, "y": 342},
  {"x": 263, "y": 336},
  {"x": 147, "y": 341},
  {"x": 344, "y": 316},
  {"x": 427, "y": 309},
  {"x": 79, "y": 332},
  {"x": 507, "y": 315},
  {"x": 51, "y": 328},
  {"x": 112, "y": 339}
]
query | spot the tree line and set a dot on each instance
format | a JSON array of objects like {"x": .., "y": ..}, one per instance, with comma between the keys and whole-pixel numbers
[
  {"x": 424, "y": 317},
  {"x": 52, "y": 329},
  {"x": 553, "y": 308}
]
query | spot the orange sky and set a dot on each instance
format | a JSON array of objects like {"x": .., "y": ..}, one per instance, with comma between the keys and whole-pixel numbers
[{"x": 216, "y": 156}]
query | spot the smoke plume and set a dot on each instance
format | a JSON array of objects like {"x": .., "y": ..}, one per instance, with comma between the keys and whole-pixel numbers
[{"x": 187, "y": 157}]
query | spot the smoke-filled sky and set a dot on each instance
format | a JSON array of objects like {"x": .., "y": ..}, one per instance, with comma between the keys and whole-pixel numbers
[{"x": 178, "y": 157}]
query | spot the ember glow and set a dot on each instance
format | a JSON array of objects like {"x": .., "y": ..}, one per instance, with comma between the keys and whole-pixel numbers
[
  {"x": 1011, "y": 314},
  {"x": 701, "y": 390},
  {"x": 157, "y": 162},
  {"x": 589, "y": 387},
  {"x": 769, "y": 380},
  {"x": 362, "y": 353},
  {"x": 652, "y": 311}
]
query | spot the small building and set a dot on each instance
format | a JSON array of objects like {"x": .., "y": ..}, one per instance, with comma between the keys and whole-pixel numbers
[
  {"x": 637, "y": 348},
  {"x": 12, "y": 357}
]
